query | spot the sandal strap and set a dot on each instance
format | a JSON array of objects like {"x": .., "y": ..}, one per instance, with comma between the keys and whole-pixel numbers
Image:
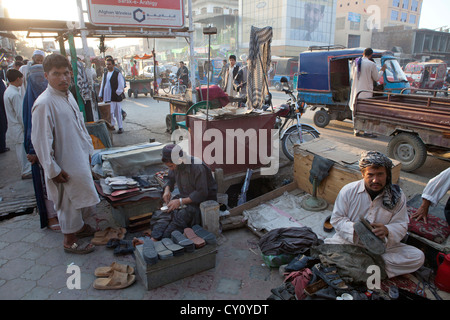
[{"x": 118, "y": 278}]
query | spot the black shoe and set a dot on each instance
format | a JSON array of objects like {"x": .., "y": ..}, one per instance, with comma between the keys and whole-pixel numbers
[{"x": 120, "y": 131}]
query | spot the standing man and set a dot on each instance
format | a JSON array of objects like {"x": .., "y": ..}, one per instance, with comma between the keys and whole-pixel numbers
[
  {"x": 183, "y": 74},
  {"x": 364, "y": 73},
  {"x": 64, "y": 147},
  {"x": 195, "y": 184},
  {"x": 383, "y": 204},
  {"x": 231, "y": 73},
  {"x": 37, "y": 58},
  {"x": 223, "y": 73},
  {"x": 14, "y": 111},
  {"x": 111, "y": 91},
  {"x": 240, "y": 82},
  {"x": 3, "y": 119}
]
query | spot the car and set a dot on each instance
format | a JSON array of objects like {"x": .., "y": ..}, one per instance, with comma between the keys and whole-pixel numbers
[{"x": 147, "y": 72}]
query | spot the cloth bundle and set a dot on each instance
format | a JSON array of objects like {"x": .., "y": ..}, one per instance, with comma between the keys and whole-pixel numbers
[{"x": 258, "y": 66}]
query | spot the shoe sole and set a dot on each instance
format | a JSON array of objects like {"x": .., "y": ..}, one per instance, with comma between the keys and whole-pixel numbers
[{"x": 370, "y": 241}]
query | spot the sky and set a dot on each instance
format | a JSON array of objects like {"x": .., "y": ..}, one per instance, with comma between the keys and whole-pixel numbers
[{"x": 435, "y": 13}]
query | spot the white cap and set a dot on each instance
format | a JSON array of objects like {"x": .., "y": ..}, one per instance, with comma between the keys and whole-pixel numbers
[{"x": 39, "y": 52}]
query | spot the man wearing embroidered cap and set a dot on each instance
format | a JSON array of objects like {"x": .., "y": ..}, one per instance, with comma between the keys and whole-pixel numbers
[
  {"x": 37, "y": 58},
  {"x": 383, "y": 205}
]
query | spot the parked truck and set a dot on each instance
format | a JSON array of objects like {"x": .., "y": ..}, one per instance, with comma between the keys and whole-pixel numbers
[{"x": 418, "y": 125}]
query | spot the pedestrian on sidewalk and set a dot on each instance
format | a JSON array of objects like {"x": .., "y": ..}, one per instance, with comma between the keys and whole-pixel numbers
[
  {"x": 111, "y": 91},
  {"x": 64, "y": 147},
  {"x": 37, "y": 83},
  {"x": 3, "y": 119},
  {"x": 14, "y": 111}
]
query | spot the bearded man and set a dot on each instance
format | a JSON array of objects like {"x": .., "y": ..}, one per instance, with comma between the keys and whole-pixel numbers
[{"x": 383, "y": 205}]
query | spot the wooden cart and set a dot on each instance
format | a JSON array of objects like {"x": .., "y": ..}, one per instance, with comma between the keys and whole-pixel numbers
[{"x": 140, "y": 86}]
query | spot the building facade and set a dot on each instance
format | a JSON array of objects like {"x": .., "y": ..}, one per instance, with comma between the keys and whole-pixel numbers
[
  {"x": 297, "y": 24},
  {"x": 356, "y": 19}
]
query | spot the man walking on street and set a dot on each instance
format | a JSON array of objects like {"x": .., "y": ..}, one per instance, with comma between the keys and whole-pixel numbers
[
  {"x": 111, "y": 91},
  {"x": 64, "y": 147}
]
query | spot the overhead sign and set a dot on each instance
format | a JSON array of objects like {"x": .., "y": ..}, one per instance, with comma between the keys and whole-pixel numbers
[{"x": 142, "y": 13}]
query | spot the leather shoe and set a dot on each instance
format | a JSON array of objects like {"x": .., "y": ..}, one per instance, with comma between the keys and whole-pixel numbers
[{"x": 120, "y": 131}]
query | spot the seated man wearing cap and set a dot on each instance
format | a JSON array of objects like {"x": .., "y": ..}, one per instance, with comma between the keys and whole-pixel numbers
[
  {"x": 383, "y": 204},
  {"x": 195, "y": 185}
]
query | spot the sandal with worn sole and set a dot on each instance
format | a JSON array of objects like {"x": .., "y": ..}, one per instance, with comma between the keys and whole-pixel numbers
[
  {"x": 191, "y": 235},
  {"x": 80, "y": 247},
  {"x": 209, "y": 237},
  {"x": 107, "y": 271},
  {"x": 117, "y": 280},
  {"x": 370, "y": 241},
  {"x": 330, "y": 276}
]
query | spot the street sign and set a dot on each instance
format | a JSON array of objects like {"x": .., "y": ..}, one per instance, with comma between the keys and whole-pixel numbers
[{"x": 141, "y": 13}]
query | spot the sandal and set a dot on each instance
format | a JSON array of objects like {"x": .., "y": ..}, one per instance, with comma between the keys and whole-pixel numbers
[
  {"x": 86, "y": 231},
  {"x": 54, "y": 227},
  {"x": 370, "y": 241},
  {"x": 107, "y": 271},
  {"x": 209, "y": 237},
  {"x": 80, "y": 247},
  {"x": 124, "y": 247},
  {"x": 101, "y": 238},
  {"x": 191, "y": 235},
  {"x": 330, "y": 276},
  {"x": 116, "y": 280}
]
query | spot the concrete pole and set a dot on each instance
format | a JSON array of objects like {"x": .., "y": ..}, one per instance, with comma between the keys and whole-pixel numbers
[
  {"x": 191, "y": 52},
  {"x": 87, "y": 57}
]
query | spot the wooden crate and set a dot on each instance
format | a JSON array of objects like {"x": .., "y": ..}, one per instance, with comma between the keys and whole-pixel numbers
[{"x": 344, "y": 170}]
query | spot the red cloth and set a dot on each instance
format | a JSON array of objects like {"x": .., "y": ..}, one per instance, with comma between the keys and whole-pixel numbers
[
  {"x": 300, "y": 280},
  {"x": 215, "y": 92},
  {"x": 436, "y": 229}
]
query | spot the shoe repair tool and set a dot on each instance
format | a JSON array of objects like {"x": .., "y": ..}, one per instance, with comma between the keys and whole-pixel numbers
[{"x": 312, "y": 203}]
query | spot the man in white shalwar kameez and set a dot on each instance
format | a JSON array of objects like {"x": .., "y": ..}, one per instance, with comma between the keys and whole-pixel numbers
[
  {"x": 14, "y": 111},
  {"x": 364, "y": 73},
  {"x": 64, "y": 147},
  {"x": 384, "y": 206}
]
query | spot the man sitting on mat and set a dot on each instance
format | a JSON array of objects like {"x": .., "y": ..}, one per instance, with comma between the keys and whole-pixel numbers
[
  {"x": 195, "y": 185},
  {"x": 383, "y": 204}
]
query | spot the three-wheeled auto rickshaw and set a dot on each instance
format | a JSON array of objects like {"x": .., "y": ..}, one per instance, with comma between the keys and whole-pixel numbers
[
  {"x": 324, "y": 80},
  {"x": 426, "y": 75},
  {"x": 283, "y": 67},
  {"x": 202, "y": 70}
]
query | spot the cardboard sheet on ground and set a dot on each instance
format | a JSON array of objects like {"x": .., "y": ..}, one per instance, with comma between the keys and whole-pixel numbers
[
  {"x": 284, "y": 212},
  {"x": 338, "y": 152}
]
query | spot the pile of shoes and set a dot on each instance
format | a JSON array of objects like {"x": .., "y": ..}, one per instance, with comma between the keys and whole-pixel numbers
[{"x": 179, "y": 243}]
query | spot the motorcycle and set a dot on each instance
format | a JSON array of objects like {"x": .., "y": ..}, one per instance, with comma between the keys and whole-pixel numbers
[{"x": 291, "y": 111}]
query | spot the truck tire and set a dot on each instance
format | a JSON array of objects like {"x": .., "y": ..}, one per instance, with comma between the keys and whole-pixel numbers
[
  {"x": 278, "y": 86},
  {"x": 321, "y": 118},
  {"x": 409, "y": 149}
]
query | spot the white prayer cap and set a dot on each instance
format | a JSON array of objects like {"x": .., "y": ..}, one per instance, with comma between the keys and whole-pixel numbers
[{"x": 39, "y": 52}]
